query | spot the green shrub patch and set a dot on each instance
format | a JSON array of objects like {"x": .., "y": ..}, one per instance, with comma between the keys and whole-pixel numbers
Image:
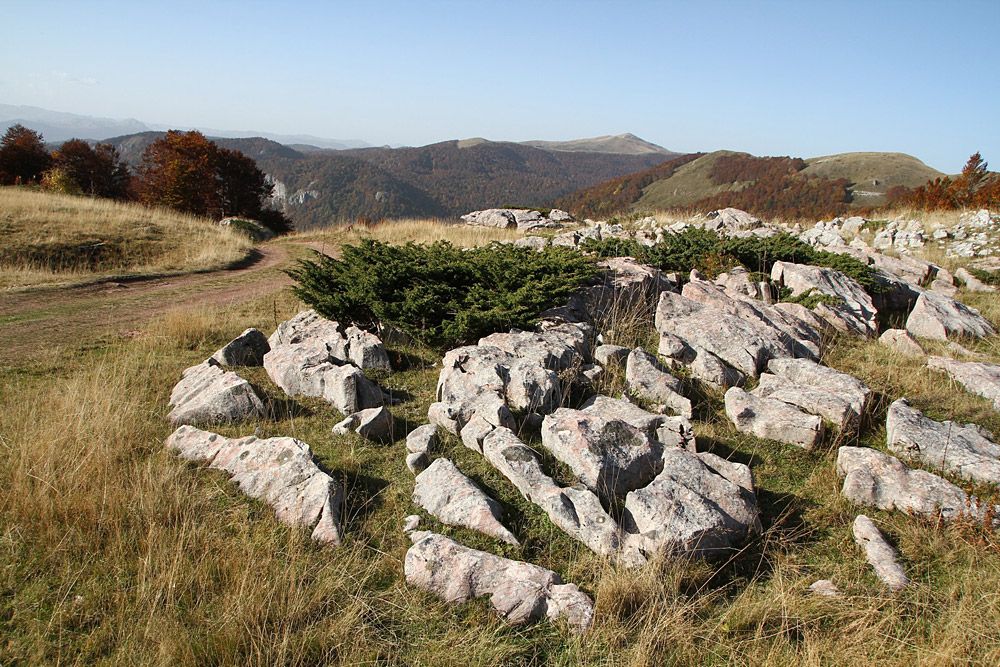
[{"x": 440, "y": 294}]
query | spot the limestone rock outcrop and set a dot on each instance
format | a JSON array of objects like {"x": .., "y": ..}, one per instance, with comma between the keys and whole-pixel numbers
[
  {"x": 207, "y": 394},
  {"x": 456, "y": 500}
]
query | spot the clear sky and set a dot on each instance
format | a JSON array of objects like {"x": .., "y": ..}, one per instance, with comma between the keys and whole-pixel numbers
[{"x": 798, "y": 78}]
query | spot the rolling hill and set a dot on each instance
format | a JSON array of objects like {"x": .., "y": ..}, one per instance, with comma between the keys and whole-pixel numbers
[
  {"x": 820, "y": 186},
  {"x": 619, "y": 144}
]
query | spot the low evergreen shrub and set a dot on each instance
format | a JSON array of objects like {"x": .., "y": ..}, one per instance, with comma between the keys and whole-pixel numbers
[{"x": 440, "y": 294}]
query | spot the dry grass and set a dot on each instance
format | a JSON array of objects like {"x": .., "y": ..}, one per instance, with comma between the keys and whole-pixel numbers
[
  {"x": 407, "y": 230},
  {"x": 60, "y": 239},
  {"x": 113, "y": 551}
]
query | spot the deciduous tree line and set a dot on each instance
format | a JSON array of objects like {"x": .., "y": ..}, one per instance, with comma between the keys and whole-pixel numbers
[{"x": 182, "y": 170}]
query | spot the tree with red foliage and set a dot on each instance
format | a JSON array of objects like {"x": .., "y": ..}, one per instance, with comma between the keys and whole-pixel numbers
[
  {"x": 188, "y": 172},
  {"x": 23, "y": 158},
  {"x": 99, "y": 171},
  {"x": 975, "y": 187}
]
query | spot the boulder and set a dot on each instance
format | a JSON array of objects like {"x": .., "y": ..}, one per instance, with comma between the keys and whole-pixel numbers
[
  {"x": 577, "y": 511},
  {"x": 698, "y": 504},
  {"x": 491, "y": 217},
  {"x": 207, "y": 394},
  {"x": 900, "y": 340},
  {"x": 473, "y": 381},
  {"x": 977, "y": 377},
  {"x": 256, "y": 230},
  {"x": 455, "y": 500},
  {"x": 536, "y": 243},
  {"x": 308, "y": 370},
  {"x": 965, "y": 450},
  {"x": 278, "y": 471},
  {"x": 880, "y": 554},
  {"x": 558, "y": 215},
  {"x": 876, "y": 479},
  {"x": 558, "y": 348},
  {"x": 854, "y": 311},
  {"x": 938, "y": 316},
  {"x": 610, "y": 456},
  {"x": 610, "y": 355},
  {"x": 417, "y": 462},
  {"x": 373, "y": 424},
  {"x": 648, "y": 380},
  {"x": 422, "y": 439},
  {"x": 726, "y": 221},
  {"x": 518, "y": 591},
  {"x": 247, "y": 349},
  {"x": 772, "y": 419},
  {"x": 365, "y": 350}
]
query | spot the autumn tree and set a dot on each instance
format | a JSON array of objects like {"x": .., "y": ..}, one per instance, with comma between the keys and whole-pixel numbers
[
  {"x": 975, "y": 187},
  {"x": 23, "y": 157},
  {"x": 97, "y": 171},
  {"x": 188, "y": 172}
]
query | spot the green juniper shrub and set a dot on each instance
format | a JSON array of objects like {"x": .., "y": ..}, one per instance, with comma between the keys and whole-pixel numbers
[
  {"x": 988, "y": 277},
  {"x": 710, "y": 254},
  {"x": 440, "y": 294}
]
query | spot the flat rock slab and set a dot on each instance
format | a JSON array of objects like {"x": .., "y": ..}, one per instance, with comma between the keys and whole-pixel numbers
[
  {"x": 278, "y": 471},
  {"x": 455, "y": 500},
  {"x": 520, "y": 592},
  {"x": 880, "y": 554},
  {"x": 668, "y": 431},
  {"x": 247, "y": 349},
  {"x": 977, "y": 378},
  {"x": 964, "y": 449},
  {"x": 772, "y": 419},
  {"x": 207, "y": 394},
  {"x": 938, "y": 316},
  {"x": 577, "y": 511},
  {"x": 837, "y": 397},
  {"x": 699, "y": 504},
  {"x": 610, "y": 456},
  {"x": 876, "y": 479}
]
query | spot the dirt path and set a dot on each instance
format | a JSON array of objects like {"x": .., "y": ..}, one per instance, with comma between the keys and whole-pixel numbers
[{"x": 40, "y": 322}]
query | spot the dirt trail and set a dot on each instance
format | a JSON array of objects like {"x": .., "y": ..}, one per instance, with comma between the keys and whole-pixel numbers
[{"x": 34, "y": 322}]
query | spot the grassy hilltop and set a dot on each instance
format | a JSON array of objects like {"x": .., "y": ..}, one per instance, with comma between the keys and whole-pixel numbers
[{"x": 114, "y": 551}]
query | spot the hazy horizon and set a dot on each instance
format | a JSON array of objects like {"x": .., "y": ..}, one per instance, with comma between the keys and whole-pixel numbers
[{"x": 769, "y": 78}]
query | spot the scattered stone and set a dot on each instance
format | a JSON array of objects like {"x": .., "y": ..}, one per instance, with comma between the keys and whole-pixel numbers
[
  {"x": 901, "y": 341},
  {"x": 938, "y": 316},
  {"x": 411, "y": 523},
  {"x": 422, "y": 439},
  {"x": 455, "y": 500},
  {"x": 972, "y": 283},
  {"x": 577, "y": 511},
  {"x": 207, "y": 394},
  {"x": 610, "y": 355},
  {"x": 698, "y": 504},
  {"x": 536, "y": 243},
  {"x": 365, "y": 350},
  {"x": 966, "y": 450},
  {"x": 247, "y": 349},
  {"x": 826, "y": 588},
  {"x": 310, "y": 329},
  {"x": 279, "y": 471},
  {"x": 416, "y": 462},
  {"x": 374, "y": 424},
  {"x": 647, "y": 379},
  {"x": 880, "y": 554},
  {"x": 978, "y": 378},
  {"x": 772, "y": 419},
  {"x": 726, "y": 221},
  {"x": 876, "y": 479},
  {"x": 558, "y": 215},
  {"x": 518, "y": 591}
]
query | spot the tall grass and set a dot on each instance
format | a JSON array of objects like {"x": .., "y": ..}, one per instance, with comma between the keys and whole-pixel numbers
[{"x": 53, "y": 238}]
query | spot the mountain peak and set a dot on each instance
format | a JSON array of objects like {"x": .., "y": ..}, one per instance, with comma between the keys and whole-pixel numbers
[{"x": 621, "y": 144}]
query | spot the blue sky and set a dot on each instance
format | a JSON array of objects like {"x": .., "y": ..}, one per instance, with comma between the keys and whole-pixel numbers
[{"x": 773, "y": 78}]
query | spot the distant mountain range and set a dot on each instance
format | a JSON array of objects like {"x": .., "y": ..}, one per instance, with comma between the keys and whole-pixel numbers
[{"x": 325, "y": 181}]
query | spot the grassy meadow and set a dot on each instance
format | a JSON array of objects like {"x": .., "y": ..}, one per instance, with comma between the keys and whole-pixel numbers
[{"x": 114, "y": 551}]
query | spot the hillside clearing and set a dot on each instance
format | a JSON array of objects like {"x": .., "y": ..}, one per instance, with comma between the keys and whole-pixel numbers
[{"x": 51, "y": 239}]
